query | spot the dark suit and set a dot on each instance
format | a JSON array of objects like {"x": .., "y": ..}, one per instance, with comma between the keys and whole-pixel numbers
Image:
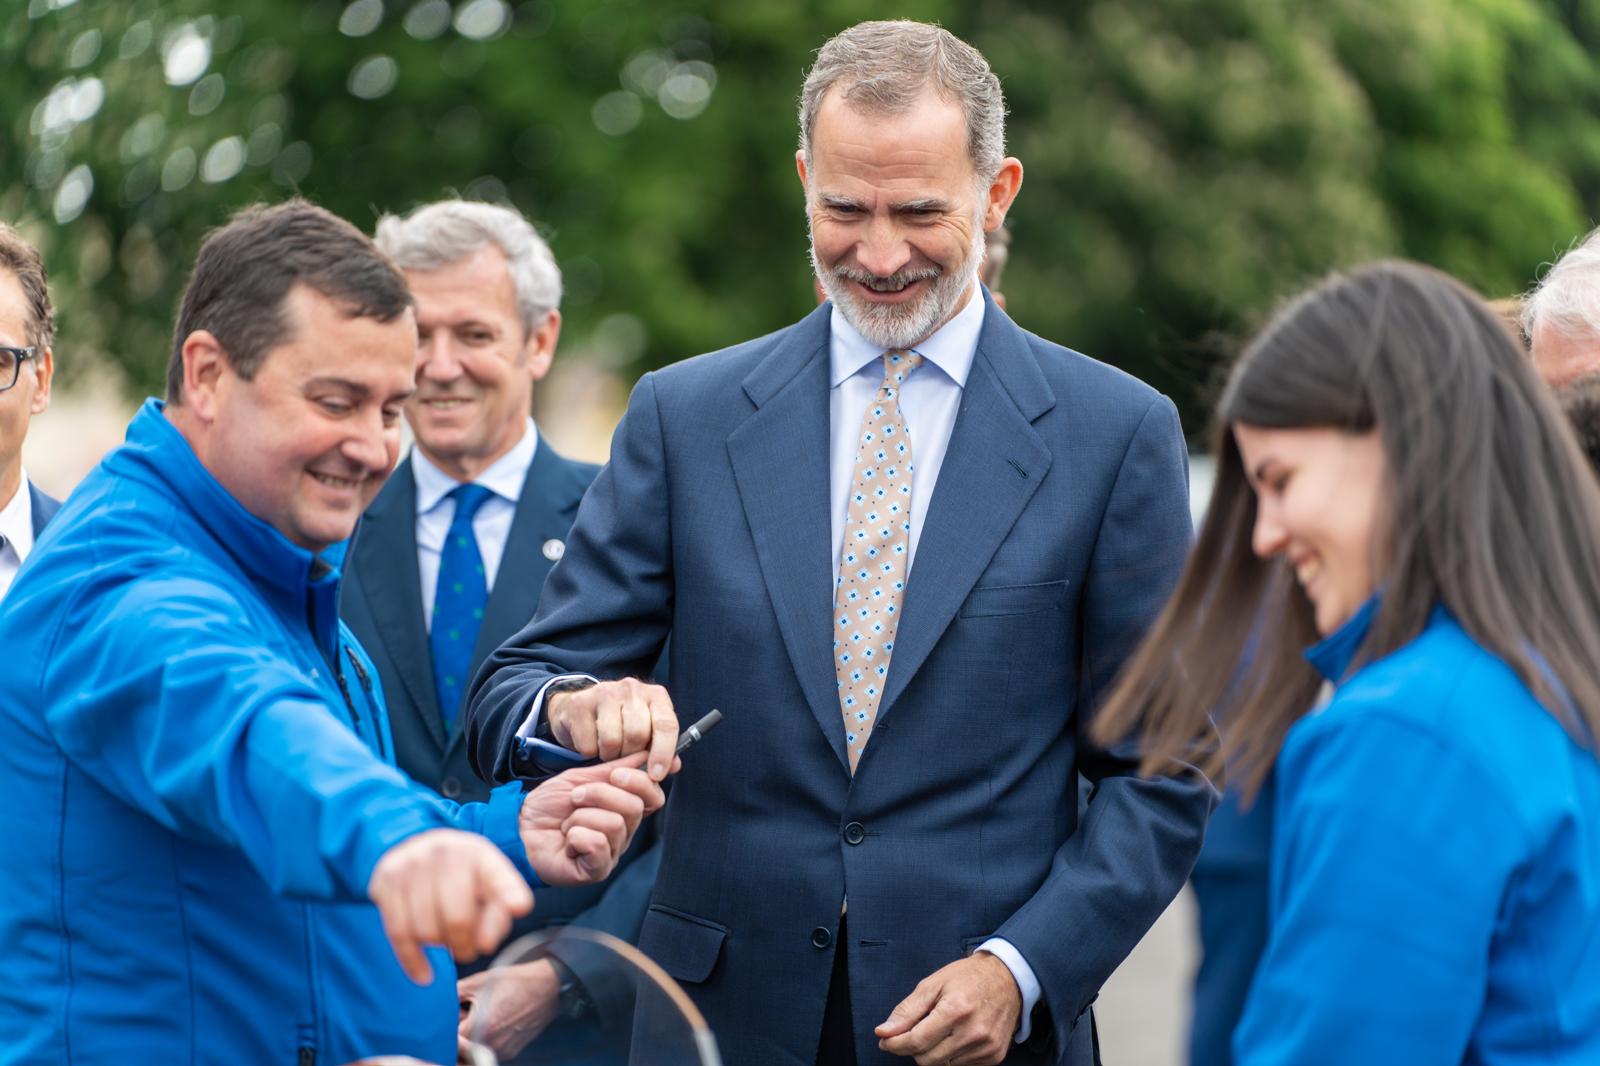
[
  {"x": 1056, "y": 529},
  {"x": 382, "y": 602},
  {"x": 44, "y": 508}
]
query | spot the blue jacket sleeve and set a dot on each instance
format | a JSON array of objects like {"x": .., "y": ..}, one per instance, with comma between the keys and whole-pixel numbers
[
  {"x": 1138, "y": 836},
  {"x": 498, "y": 819},
  {"x": 1392, "y": 855},
  {"x": 162, "y": 693}
]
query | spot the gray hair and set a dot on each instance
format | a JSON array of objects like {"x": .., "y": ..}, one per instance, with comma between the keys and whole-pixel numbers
[
  {"x": 1567, "y": 298},
  {"x": 884, "y": 66},
  {"x": 438, "y": 234}
]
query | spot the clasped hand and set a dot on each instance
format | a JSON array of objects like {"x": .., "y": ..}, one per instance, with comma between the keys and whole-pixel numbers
[{"x": 449, "y": 887}]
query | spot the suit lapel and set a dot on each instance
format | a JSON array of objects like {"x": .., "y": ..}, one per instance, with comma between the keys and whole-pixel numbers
[
  {"x": 386, "y": 558},
  {"x": 992, "y": 468},
  {"x": 786, "y": 503},
  {"x": 44, "y": 508}
]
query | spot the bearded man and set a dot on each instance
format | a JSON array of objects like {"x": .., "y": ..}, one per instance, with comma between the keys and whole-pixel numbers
[{"x": 904, "y": 546}]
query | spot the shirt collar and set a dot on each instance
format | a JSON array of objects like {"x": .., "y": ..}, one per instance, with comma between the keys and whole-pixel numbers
[
  {"x": 16, "y": 519},
  {"x": 951, "y": 347},
  {"x": 504, "y": 477}
]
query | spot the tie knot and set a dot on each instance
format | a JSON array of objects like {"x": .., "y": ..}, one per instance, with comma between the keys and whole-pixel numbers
[
  {"x": 898, "y": 365},
  {"x": 468, "y": 499}
]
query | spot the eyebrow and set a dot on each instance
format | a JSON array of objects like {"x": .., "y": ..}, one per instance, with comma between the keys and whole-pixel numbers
[
  {"x": 830, "y": 200},
  {"x": 930, "y": 203}
]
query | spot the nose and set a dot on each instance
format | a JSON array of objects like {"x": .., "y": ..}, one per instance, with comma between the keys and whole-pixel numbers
[
  {"x": 436, "y": 357},
  {"x": 370, "y": 445},
  {"x": 1267, "y": 537},
  {"x": 883, "y": 250}
]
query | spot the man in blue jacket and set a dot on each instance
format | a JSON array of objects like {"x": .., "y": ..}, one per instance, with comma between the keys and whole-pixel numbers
[{"x": 208, "y": 851}]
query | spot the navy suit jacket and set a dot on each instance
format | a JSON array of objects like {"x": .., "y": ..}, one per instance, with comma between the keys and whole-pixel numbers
[
  {"x": 44, "y": 508},
  {"x": 1056, "y": 530},
  {"x": 382, "y": 602}
]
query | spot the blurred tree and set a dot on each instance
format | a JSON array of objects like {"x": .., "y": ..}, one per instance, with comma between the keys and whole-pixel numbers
[{"x": 1188, "y": 160}]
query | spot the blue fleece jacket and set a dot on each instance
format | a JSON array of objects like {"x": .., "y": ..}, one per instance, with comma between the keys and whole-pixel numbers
[
  {"x": 196, "y": 781},
  {"x": 1436, "y": 870}
]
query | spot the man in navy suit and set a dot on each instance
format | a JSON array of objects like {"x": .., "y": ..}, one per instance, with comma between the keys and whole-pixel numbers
[
  {"x": 27, "y": 330},
  {"x": 487, "y": 294},
  {"x": 904, "y": 546}
]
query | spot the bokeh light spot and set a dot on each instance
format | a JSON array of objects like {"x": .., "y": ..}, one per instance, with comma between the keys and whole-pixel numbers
[
  {"x": 617, "y": 113},
  {"x": 223, "y": 160},
  {"x": 373, "y": 77},
  {"x": 361, "y": 18},
  {"x": 482, "y": 19},
  {"x": 428, "y": 19},
  {"x": 185, "y": 55},
  {"x": 73, "y": 193}
]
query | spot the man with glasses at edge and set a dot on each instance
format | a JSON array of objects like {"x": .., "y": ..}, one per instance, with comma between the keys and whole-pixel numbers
[{"x": 27, "y": 328}]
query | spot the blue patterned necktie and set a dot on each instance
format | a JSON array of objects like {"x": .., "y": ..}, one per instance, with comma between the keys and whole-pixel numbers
[
  {"x": 872, "y": 560},
  {"x": 458, "y": 602}
]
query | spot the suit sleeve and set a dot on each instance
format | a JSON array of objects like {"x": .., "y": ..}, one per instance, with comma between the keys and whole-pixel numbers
[
  {"x": 1138, "y": 836},
  {"x": 607, "y": 605},
  {"x": 161, "y": 693}
]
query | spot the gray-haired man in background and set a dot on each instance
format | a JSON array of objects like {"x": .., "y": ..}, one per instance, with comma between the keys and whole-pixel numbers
[{"x": 454, "y": 551}]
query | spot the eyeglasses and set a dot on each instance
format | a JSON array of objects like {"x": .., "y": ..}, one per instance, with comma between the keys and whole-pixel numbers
[{"x": 11, "y": 360}]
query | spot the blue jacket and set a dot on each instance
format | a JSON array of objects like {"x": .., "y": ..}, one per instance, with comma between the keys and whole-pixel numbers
[
  {"x": 195, "y": 784},
  {"x": 1436, "y": 870}
]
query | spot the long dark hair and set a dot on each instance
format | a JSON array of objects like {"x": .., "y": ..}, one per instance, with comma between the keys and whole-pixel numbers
[{"x": 1490, "y": 510}]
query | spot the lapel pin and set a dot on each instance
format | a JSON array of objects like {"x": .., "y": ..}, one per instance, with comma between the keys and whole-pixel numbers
[{"x": 554, "y": 549}]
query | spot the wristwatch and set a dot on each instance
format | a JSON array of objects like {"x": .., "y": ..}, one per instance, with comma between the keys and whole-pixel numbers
[{"x": 574, "y": 998}]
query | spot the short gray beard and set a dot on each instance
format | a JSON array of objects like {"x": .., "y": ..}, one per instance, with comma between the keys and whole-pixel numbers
[{"x": 890, "y": 327}]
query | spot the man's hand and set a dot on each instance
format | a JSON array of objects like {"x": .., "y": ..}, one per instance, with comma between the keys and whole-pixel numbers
[
  {"x": 519, "y": 1001},
  {"x": 576, "y": 825},
  {"x": 617, "y": 718},
  {"x": 444, "y": 886},
  {"x": 964, "y": 1015}
]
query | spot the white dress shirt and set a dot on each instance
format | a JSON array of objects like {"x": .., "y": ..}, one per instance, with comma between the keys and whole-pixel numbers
[
  {"x": 16, "y": 533},
  {"x": 492, "y": 523}
]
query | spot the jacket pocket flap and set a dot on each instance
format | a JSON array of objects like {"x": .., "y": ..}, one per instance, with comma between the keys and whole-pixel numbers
[
  {"x": 681, "y": 944},
  {"x": 986, "y": 600}
]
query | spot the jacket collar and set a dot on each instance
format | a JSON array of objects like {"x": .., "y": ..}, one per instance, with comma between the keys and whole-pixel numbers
[
  {"x": 1333, "y": 654},
  {"x": 157, "y": 453}
]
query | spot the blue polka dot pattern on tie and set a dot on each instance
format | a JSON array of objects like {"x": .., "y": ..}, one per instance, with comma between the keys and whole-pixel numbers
[
  {"x": 460, "y": 596},
  {"x": 868, "y": 631}
]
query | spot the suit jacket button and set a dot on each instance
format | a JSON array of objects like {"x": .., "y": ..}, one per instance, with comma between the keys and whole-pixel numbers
[
  {"x": 820, "y": 937},
  {"x": 450, "y": 787},
  {"x": 855, "y": 833}
]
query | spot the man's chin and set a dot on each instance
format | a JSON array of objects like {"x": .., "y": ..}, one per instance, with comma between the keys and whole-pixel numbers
[{"x": 888, "y": 327}]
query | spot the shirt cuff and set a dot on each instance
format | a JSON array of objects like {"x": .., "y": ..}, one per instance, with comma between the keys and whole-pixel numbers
[
  {"x": 1022, "y": 973},
  {"x": 530, "y": 724}
]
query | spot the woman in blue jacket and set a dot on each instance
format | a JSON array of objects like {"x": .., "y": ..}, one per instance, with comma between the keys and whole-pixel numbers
[{"x": 1396, "y": 489}]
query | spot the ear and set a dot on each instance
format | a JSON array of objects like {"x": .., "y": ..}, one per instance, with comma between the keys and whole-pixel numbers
[
  {"x": 44, "y": 371},
  {"x": 541, "y": 346},
  {"x": 800, "y": 168},
  {"x": 205, "y": 366},
  {"x": 1002, "y": 191}
]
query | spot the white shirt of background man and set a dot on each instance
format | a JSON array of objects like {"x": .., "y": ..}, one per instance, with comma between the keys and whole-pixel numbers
[{"x": 492, "y": 523}]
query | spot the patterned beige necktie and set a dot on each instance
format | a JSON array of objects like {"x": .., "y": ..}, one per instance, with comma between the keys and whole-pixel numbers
[{"x": 872, "y": 560}]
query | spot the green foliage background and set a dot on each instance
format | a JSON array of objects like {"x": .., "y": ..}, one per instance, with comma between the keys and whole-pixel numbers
[{"x": 1188, "y": 162}]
